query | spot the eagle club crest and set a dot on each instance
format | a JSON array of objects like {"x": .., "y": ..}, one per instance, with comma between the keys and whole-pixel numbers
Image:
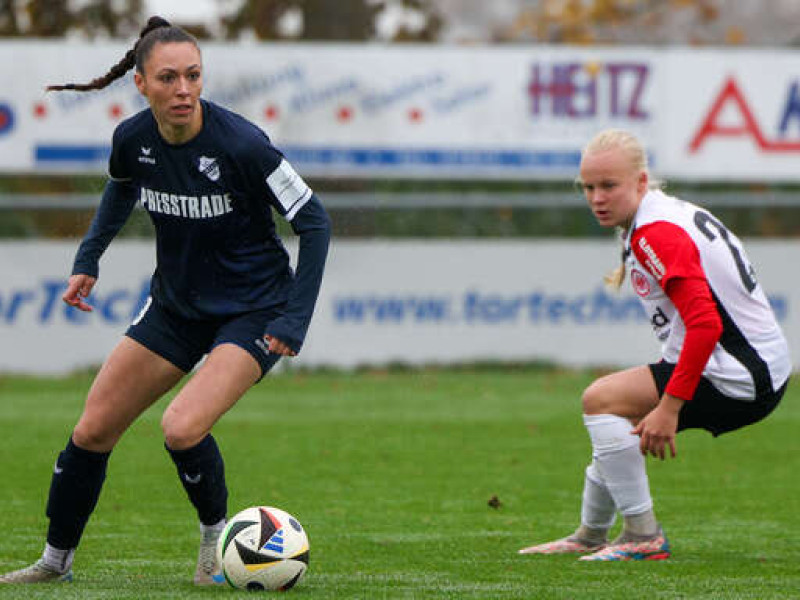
[{"x": 209, "y": 167}]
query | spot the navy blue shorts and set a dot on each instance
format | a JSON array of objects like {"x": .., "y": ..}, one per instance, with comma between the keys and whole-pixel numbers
[
  {"x": 712, "y": 410},
  {"x": 183, "y": 342}
]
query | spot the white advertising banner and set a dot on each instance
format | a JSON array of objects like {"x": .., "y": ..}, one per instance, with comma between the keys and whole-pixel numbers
[
  {"x": 434, "y": 111},
  {"x": 350, "y": 110},
  {"x": 384, "y": 302}
]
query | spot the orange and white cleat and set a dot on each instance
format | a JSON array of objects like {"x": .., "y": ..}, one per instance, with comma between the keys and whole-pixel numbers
[
  {"x": 567, "y": 545},
  {"x": 628, "y": 548}
]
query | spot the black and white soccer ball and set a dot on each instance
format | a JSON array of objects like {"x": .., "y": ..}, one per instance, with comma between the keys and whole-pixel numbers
[{"x": 263, "y": 548}]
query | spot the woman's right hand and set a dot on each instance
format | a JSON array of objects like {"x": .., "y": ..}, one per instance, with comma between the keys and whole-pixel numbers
[{"x": 79, "y": 288}]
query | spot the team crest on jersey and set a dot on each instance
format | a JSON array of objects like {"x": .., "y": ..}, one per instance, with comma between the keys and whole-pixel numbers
[
  {"x": 640, "y": 284},
  {"x": 209, "y": 167}
]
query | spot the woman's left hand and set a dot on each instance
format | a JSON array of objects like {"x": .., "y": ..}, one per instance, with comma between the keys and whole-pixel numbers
[
  {"x": 658, "y": 428},
  {"x": 278, "y": 347}
]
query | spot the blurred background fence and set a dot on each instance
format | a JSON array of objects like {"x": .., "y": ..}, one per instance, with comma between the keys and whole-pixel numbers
[{"x": 443, "y": 136}]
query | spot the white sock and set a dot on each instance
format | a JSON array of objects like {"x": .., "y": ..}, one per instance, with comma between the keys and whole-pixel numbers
[
  {"x": 620, "y": 463},
  {"x": 216, "y": 528},
  {"x": 58, "y": 560},
  {"x": 598, "y": 511},
  {"x": 644, "y": 524}
]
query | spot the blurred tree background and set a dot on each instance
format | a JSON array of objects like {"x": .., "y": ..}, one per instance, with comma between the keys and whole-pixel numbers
[
  {"x": 318, "y": 20},
  {"x": 57, "y": 18},
  {"x": 650, "y": 22}
]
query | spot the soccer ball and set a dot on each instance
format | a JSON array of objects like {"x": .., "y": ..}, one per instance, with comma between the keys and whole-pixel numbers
[{"x": 263, "y": 548}]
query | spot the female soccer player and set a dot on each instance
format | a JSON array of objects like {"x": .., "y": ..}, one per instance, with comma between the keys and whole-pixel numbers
[
  {"x": 223, "y": 286},
  {"x": 725, "y": 362}
]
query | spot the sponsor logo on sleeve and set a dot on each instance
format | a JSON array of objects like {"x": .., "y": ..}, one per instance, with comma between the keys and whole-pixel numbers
[{"x": 652, "y": 262}]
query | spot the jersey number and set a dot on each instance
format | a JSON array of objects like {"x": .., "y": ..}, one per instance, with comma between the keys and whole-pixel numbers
[{"x": 704, "y": 223}]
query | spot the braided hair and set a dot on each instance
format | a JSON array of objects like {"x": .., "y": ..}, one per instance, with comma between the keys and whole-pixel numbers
[{"x": 156, "y": 31}]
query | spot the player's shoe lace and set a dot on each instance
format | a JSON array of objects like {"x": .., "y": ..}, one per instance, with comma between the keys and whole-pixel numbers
[
  {"x": 208, "y": 572},
  {"x": 38, "y": 572},
  {"x": 630, "y": 547},
  {"x": 567, "y": 545}
]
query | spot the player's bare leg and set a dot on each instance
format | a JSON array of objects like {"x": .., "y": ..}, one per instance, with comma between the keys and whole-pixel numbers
[
  {"x": 228, "y": 372},
  {"x": 131, "y": 379}
]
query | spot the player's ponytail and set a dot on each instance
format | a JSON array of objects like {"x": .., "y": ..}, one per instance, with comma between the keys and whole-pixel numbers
[
  {"x": 157, "y": 30},
  {"x": 616, "y": 278}
]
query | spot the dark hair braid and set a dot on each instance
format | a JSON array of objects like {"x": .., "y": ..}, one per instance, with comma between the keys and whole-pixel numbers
[{"x": 132, "y": 58}]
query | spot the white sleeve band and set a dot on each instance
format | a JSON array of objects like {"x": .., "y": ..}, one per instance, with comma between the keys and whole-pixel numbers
[{"x": 289, "y": 189}]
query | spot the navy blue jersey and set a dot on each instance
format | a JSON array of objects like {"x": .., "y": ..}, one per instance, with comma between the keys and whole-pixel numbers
[{"x": 210, "y": 201}]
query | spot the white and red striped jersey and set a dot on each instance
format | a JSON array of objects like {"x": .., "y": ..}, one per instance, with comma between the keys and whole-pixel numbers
[{"x": 672, "y": 242}]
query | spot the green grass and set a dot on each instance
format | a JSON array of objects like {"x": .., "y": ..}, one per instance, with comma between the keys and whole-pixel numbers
[{"x": 391, "y": 474}]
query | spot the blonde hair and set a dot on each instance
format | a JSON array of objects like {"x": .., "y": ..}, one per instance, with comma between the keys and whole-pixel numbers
[
  {"x": 609, "y": 139},
  {"x": 615, "y": 278},
  {"x": 633, "y": 149}
]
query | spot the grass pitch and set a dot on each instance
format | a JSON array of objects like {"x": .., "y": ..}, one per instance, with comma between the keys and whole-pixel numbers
[{"x": 392, "y": 474}]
